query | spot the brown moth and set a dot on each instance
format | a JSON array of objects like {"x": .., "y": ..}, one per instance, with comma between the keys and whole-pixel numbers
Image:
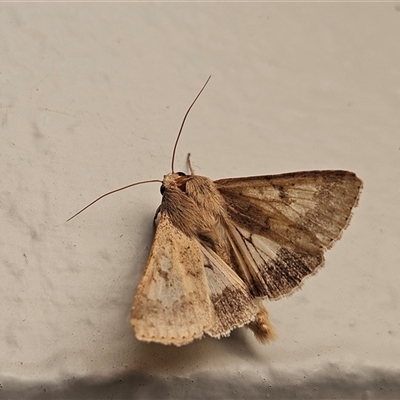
[{"x": 222, "y": 246}]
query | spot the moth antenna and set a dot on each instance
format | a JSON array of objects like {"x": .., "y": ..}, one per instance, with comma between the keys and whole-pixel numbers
[
  {"x": 113, "y": 191},
  {"x": 183, "y": 122}
]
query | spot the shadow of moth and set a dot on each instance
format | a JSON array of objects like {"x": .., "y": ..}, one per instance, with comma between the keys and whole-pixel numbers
[{"x": 222, "y": 246}]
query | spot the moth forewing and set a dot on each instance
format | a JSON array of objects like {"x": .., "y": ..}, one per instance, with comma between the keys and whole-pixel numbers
[
  {"x": 281, "y": 225},
  {"x": 172, "y": 303}
]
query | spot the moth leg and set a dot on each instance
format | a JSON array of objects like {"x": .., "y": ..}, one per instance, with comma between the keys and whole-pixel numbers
[
  {"x": 156, "y": 215},
  {"x": 261, "y": 326},
  {"x": 190, "y": 165}
]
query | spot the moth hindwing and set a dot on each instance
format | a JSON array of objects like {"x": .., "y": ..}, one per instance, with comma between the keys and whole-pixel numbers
[{"x": 221, "y": 246}]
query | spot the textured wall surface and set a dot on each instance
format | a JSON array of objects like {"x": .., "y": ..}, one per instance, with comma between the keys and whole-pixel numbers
[{"x": 91, "y": 98}]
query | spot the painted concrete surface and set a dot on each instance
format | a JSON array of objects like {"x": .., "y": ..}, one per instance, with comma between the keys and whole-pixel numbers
[{"x": 91, "y": 99}]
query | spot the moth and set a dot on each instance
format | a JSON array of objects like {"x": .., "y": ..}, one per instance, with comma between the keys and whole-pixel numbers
[{"x": 222, "y": 246}]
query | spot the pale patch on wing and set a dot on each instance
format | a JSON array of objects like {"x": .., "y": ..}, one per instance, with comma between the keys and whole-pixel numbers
[
  {"x": 231, "y": 299},
  {"x": 281, "y": 224},
  {"x": 172, "y": 303}
]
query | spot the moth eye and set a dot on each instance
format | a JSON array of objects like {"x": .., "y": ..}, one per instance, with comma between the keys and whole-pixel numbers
[
  {"x": 162, "y": 190},
  {"x": 181, "y": 173}
]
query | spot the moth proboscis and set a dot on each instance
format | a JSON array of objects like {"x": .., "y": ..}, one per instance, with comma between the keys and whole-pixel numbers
[{"x": 222, "y": 246}]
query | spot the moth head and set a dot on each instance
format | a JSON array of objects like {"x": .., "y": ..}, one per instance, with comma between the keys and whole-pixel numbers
[{"x": 173, "y": 180}]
